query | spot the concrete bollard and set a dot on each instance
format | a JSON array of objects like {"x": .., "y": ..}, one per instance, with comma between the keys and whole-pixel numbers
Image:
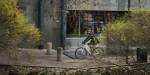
[
  {"x": 59, "y": 53},
  {"x": 49, "y": 48}
]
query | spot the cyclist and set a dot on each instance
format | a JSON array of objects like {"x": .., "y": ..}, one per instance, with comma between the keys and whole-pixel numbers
[{"x": 92, "y": 38}]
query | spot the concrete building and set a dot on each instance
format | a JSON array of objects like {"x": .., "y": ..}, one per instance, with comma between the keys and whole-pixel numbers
[
  {"x": 46, "y": 15},
  {"x": 66, "y": 22}
]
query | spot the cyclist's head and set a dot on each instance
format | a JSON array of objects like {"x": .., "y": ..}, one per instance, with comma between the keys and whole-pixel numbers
[{"x": 91, "y": 33}]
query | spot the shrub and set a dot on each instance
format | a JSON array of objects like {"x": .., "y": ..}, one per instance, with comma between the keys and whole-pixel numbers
[
  {"x": 31, "y": 37},
  {"x": 129, "y": 31},
  {"x": 113, "y": 70},
  {"x": 126, "y": 32},
  {"x": 120, "y": 34},
  {"x": 141, "y": 18},
  {"x": 14, "y": 26}
]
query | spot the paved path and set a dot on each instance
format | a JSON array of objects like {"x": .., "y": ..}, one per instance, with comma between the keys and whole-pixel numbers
[
  {"x": 106, "y": 59},
  {"x": 70, "y": 53},
  {"x": 31, "y": 57}
]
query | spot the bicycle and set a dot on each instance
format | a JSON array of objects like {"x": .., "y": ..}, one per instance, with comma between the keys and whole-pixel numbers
[{"x": 89, "y": 48}]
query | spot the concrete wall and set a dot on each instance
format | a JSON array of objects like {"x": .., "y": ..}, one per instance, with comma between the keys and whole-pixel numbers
[
  {"x": 30, "y": 9},
  {"x": 106, "y": 5},
  {"x": 140, "y": 4},
  {"x": 47, "y": 15},
  {"x": 50, "y": 16},
  {"x": 96, "y": 5}
]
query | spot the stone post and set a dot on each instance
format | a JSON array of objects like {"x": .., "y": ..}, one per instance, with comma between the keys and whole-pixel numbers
[
  {"x": 49, "y": 48},
  {"x": 59, "y": 53}
]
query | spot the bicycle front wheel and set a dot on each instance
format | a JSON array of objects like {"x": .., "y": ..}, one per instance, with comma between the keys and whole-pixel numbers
[{"x": 80, "y": 53}]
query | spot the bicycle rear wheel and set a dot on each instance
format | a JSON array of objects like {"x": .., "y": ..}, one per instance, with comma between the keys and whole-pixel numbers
[
  {"x": 98, "y": 52},
  {"x": 80, "y": 53}
]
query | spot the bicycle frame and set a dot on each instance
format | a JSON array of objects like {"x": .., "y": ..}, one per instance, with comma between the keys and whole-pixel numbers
[{"x": 87, "y": 48}]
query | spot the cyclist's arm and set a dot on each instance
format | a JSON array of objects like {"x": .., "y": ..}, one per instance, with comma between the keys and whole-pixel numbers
[{"x": 87, "y": 39}]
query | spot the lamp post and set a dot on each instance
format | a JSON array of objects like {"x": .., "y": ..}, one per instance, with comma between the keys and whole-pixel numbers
[
  {"x": 62, "y": 25},
  {"x": 140, "y": 4},
  {"x": 129, "y": 5}
]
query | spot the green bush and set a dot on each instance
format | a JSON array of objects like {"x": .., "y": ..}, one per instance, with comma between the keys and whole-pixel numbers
[
  {"x": 141, "y": 18},
  {"x": 14, "y": 27},
  {"x": 31, "y": 37},
  {"x": 115, "y": 70},
  {"x": 120, "y": 34},
  {"x": 132, "y": 30}
]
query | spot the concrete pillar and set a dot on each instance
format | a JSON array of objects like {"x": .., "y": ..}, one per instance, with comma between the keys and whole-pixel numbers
[
  {"x": 59, "y": 53},
  {"x": 50, "y": 27},
  {"x": 49, "y": 48}
]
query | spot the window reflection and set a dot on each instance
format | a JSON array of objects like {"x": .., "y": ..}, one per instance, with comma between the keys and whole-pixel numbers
[{"x": 83, "y": 22}]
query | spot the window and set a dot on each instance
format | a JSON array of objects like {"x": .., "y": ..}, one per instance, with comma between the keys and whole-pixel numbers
[
  {"x": 92, "y": 23},
  {"x": 80, "y": 23}
]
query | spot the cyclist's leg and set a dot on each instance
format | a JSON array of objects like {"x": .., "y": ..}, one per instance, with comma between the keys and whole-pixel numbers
[{"x": 87, "y": 49}]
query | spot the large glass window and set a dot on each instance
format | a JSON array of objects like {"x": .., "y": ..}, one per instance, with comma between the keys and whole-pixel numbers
[
  {"x": 91, "y": 23},
  {"x": 80, "y": 23}
]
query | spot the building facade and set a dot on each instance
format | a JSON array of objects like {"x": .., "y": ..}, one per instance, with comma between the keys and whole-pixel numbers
[
  {"x": 45, "y": 14},
  {"x": 67, "y": 22}
]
